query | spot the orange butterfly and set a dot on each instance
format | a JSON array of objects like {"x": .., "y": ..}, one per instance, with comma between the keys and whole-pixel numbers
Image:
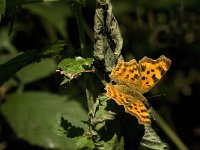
[{"x": 133, "y": 80}]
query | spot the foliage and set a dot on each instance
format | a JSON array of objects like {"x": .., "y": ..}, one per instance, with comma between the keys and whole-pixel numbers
[
  {"x": 71, "y": 68},
  {"x": 42, "y": 108},
  {"x": 52, "y": 80},
  {"x": 12, "y": 66},
  {"x": 2, "y": 8},
  {"x": 151, "y": 140}
]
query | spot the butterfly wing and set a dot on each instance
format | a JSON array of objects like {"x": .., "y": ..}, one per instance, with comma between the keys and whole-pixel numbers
[
  {"x": 151, "y": 71},
  {"x": 132, "y": 80},
  {"x": 126, "y": 73},
  {"x": 132, "y": 104}
]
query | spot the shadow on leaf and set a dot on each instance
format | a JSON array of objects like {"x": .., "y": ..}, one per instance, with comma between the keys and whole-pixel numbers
[{"x": 70, "y": 130}]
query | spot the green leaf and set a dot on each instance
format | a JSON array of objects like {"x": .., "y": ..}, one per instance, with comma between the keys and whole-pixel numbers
[
  {"x": 64, "y": 127},
  {"x": 65, "y": 80},
  {"x": 2, "y": 7},
  {"x": 54, "y": 48},
  {"x": 36, "y": 71},
  {"x": 151, "y": 141},
  {"x": 32, "y": 115},
  {"x": 84, "y": 142},
  {"x": 82, "y": 2},
  {"x": 9, "y": 68},
  {"x": 71, "y": 68},
  {"x": 105, "y": 127},
  {"x": 6, "y": 41},
  {"x": 99, "y": 112}
]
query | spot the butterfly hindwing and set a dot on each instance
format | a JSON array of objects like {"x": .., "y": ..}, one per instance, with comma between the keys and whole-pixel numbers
[
  {"x": 138, "y": 109},
  {"x": 133, "y": 105}
]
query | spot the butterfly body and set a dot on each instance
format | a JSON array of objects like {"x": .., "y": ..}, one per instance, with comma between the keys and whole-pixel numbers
[{"x": 133, "y": 80}]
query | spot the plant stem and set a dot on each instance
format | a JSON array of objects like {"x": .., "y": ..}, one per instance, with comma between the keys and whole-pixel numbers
[
  {"x": 88, "y": 31},
  {"x": 80, "y": 21},
  {"x": 168, "y": 131}
]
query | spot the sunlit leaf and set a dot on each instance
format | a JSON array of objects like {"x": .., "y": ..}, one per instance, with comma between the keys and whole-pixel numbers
[
  {"x": 71, "y": 68},
  {"x": 32, "y": 116}
]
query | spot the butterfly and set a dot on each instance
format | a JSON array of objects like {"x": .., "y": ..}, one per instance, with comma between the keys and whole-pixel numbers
[{"x": 132, "y": 80}]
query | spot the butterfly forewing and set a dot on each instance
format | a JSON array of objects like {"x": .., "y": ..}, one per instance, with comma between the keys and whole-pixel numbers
[
  {"x": 126, "y": 73},
  {"x": 151, "y": 72}
]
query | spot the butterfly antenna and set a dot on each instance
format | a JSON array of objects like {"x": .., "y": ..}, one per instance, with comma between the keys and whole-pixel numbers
[{"x": 156, "y": 96}]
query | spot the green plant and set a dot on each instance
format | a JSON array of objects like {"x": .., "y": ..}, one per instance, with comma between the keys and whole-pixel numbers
[{"x": 86, "y": 70}]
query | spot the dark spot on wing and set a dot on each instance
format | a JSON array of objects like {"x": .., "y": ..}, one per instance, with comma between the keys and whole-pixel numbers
[
  {"x": 113, "y": 82},
  {"x": 117, "y": 69},
  {"x": 152, "y": 70},
  {"x": 148, "y": 72},
  {"x": 143, "y": 78},
  {"x": 131, "y": 70},
  {"x": 133, "y": 79},
  {"x": 128, "y": 100},
  {"x": 134, "y": 69},
  {"x": 136, "y": 76},
  {"x": 124, "y": 70},
  {"x": 143, "y": 68},
  {"x": 134, "y": 104},
  {"x": 154, "y": 78},
  {"x": 127, "y": 76},
  {"x": 129, "y": 106},
  {"x": 162, "y": 71},
  {"x": 121, "y": 99}
]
